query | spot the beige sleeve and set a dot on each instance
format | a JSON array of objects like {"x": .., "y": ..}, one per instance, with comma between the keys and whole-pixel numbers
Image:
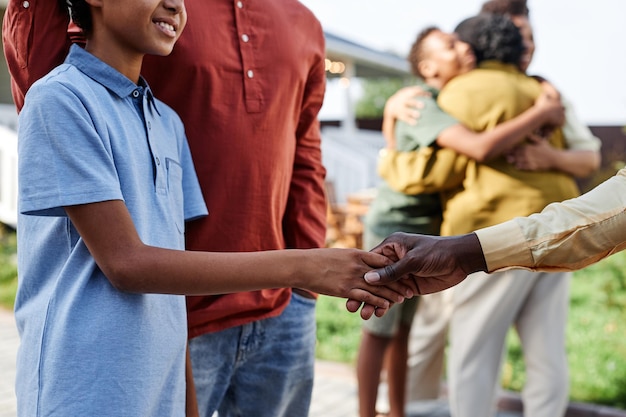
[
  {"x": 565, "y": 236},
  {"x": 577, "y": 135}
]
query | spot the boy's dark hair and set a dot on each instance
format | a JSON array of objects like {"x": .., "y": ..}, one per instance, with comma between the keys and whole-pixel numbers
[
  {"x": 508, "y": 7},
  {"x": 492, "y": 37},
  {"x": 80, "y": 12},
  {"x": 416, "y": 54}
]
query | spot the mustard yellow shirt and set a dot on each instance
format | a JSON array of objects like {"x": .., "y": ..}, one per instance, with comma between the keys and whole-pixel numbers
[
  {"x": 563, "y": 237},
  {"x": 494, "y": 192}
]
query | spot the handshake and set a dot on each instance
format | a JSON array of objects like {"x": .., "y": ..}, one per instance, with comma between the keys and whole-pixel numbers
[{"x": 405, "y": 265}]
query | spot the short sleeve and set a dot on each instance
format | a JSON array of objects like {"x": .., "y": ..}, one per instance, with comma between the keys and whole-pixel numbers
[
  {"x": 577, "y": 135},
  {"x": 62, "y": 159},
  {"x": 433, "y": 120}
]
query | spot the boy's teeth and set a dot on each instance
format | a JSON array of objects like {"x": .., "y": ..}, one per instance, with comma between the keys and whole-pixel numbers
[{"x": 166, "y": 26}]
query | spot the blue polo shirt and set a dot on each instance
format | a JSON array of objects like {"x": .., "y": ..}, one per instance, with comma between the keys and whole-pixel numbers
[{"x": 89, "y": 134}]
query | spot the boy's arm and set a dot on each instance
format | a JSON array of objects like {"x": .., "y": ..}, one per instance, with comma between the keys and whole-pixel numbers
[{"x": 109, "y": 233}]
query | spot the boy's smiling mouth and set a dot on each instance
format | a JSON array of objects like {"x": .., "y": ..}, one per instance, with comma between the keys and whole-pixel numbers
[{"x": 166, "y": 27}]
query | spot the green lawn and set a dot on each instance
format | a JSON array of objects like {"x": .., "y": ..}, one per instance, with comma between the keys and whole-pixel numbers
[
  {"x": 596, "y": 335},
  {"x": 8, "y": 267}
]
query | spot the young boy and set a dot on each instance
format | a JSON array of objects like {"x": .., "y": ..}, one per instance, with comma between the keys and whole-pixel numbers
[{"x": 106, "y": 185}]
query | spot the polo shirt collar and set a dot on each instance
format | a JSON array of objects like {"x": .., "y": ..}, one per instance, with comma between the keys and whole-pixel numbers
[
  {"x": 106, "y": 75},
  {"x": 428, "y": 88}
]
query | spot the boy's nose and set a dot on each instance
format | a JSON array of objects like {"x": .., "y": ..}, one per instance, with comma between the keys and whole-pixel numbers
[{"x": 176, "y": 6}]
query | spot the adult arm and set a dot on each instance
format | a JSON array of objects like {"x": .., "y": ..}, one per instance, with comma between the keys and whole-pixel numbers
[
  {"x": 565, "y": 236},
  {"x": 191, "y": 401},
  {"x": 483, "y": 146},
  {"x": 35, "y": 39},
  {"x": 132, "y": 266},
  {"x": 541, "y": 156},
  {"x": 580, "y": 159},
  {"x": 304, "y": 222}
]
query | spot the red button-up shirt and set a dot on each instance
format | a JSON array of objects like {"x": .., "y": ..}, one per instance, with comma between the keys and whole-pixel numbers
[{"x": 247, "y": 78}]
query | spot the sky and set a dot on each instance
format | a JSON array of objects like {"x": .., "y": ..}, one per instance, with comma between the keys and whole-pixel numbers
[{"x": 581, "y": 44}]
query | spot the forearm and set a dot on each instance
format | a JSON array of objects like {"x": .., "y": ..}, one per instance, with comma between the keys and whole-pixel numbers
[
  {"x": 304, "y": 221},
  {"x": 506, "y": 135},
  {"x": 334, "y": 272},
  {"x": 147, "y": 269},
  {"x": 388, "y": 130},
  {"x": 489, "y": 144},
  {"x": 130, "y": 265},
  {"x": 469, "y": 252},
  {"x": 578, "y": 163}
]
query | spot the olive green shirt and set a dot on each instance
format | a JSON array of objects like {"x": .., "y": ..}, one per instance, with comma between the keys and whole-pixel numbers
[{"x": 392, "y": 211}]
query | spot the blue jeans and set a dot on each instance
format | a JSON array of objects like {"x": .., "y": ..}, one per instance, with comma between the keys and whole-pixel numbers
[{"x": 262, "y": 369}]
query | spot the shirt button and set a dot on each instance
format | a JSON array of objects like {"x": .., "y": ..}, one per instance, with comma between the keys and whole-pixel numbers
[
  {"x": 158, "y": 161},
  {"x": 26, "y": 4},
  {"x": 240, "y": 4},
  {"x": 149, "y": 126},
  {"x": 135, "y": 93},
  {"x": 250, "y": 73},
  {"x": 245, "y": 37}
]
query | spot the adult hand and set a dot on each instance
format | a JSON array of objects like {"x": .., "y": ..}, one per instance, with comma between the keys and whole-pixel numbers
[
  {"x": 538, "y": 155},
  {"x": 402, "y": 105},
  {"x": 551, "y": 106},
  {"x": 435, "y": 263}
]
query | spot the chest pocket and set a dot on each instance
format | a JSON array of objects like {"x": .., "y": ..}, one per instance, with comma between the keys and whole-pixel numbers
[{"x": 175, "y": 192}]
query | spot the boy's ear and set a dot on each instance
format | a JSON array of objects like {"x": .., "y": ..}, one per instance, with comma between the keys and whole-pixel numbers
[{"x": 427, "y": 68}]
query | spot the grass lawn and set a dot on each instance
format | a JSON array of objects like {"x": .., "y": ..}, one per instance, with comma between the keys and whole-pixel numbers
[
  {"x": 8, "y": 267},
  {"x": 596, "y": 335}
]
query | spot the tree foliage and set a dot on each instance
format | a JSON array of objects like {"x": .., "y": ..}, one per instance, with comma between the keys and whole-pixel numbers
[{"x": 376, "y": 91}]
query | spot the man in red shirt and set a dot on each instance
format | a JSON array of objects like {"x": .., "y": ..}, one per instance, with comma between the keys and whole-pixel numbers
[{"x": 248, "y": 80}]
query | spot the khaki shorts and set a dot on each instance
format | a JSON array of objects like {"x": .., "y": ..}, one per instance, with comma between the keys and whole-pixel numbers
[{"x": 387, "y": 325}]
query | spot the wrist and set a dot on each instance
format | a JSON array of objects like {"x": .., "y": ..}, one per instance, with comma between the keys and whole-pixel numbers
[{"x": 469, "y": 253}]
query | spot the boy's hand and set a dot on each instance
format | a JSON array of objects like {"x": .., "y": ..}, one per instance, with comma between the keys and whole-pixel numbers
[{"x": 342, "y": 272}]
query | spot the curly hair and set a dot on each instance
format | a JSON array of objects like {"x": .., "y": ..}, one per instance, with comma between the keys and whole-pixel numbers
[
  {"x": 416, "y": 54},
  {"x": 80, "y": 12},
  {"x": 492, "y": 37},
  {"x": 506, "y": 7}
]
